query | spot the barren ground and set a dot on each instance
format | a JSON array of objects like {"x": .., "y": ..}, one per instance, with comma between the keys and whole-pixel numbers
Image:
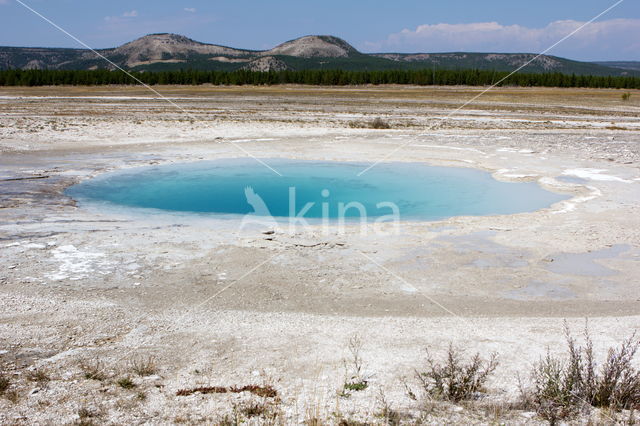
[{"x": 215, "y": 307}]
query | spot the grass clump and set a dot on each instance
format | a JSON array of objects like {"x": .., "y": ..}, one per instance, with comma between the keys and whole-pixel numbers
[
  {"x": 94, "y": 371},
  {"x": 379, "y": 123},
  {"x": 454, "y": 379},
  {"x": 561, "y": 386},
  {"x": 144, "y": 366},
  {"x": 626, "y": 96},
  {"x": 39, "y": 376},
  {"x": 86, "y": 416},
  {"x": 126, "y": 383},
  {"x": 264, "y": 411},
  {"x": 12, "y": 396},
  {"x": 5, "y": 383},
  {"x": 387, "y": 413},
  {"x": 376, "y": 123}
]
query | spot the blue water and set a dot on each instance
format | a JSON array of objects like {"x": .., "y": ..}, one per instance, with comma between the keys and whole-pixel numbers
[{"x": 231, "y": 186}]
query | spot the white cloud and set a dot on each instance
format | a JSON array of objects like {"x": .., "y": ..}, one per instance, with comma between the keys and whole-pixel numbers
[
  {"x": 122, "y": 18},
  {"x": 611, "y": 39},
  {"x": 190, "y": 9}
]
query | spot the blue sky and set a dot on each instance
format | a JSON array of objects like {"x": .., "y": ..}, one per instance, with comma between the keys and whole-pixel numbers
[{"x": 391, "y": 26}]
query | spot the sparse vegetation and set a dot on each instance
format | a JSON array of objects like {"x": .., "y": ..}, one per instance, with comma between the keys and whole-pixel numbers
[
  {"x": 377, "y": 123},
  {"x": 5, "y": 383},
  {"x": 86, "y": 413},
  {"x": 561, "y": 386},
  {"x": 126, "y": 383},
  {"x": 355, "y": 377},
  {"x": 626, "y": 96},
  {"x": 94, "y": 370},
  {"x": 12, "y": 396},
  {"x": 40, "y": 376},
  {"x": 262, "y": 391},
  {"x": 144, "y": 366},
  {"x": 388, "y": 415},
  {"x": 453, "y": 379}
]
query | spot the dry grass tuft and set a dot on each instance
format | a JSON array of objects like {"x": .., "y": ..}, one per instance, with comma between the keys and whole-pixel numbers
[
  {"x": 144, "y": 366},
  {"x": 40, "y": 376},
  {"x": 5, "y": 383},
  {"x": 377, "y": 123},
  {"x": 94, "y": 370}
]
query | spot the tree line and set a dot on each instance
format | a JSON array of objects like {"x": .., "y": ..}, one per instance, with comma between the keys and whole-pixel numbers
[{"x": 312, "y": 77}]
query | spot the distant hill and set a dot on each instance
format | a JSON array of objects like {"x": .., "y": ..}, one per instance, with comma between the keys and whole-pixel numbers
[
  {"x": 163, "y": 52},
  {"x": 625, "y": 65}
]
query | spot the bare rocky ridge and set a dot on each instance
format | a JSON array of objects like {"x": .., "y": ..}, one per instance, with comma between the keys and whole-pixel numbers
[
  {"x": 161, "y": 47},
  {"x": 266, "y": 63},
  {"x": 315, "y": 47}
]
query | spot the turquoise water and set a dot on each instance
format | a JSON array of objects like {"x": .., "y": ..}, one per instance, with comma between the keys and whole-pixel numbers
[{"x": 242, "y": 186}]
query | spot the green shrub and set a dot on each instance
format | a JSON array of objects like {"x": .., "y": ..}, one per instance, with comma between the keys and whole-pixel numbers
[{"x": 560, "y": 386}]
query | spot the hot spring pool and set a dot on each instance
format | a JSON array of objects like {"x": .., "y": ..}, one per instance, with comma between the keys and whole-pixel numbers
[{"x": 313, "y": 190}]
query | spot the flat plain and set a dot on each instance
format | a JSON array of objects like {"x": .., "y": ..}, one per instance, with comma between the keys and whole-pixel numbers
[{"x": 86, "y": 289}]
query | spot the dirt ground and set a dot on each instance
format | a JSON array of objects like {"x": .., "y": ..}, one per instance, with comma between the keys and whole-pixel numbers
[{"x": 87, "y": 290}]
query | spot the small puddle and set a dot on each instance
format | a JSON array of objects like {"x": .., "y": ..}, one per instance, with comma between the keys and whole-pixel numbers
[{"x": 585, "y": 263}]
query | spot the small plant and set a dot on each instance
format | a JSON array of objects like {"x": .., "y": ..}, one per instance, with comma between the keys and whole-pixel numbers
[
  {"x": 228, "y": 420},
  {"x": 85, "y": 414},
  {"x": 144, "y": 366},
  {"x": 561, "y": 386},
  {"x": 5, "y": 383},
  {"x": 94, "y": 371},
  {"x": 377, "y": 123},
  {"x": 351, "y": 422},
  {"x": 626, "y": 96},
  {"x": 253, "y": 409},
  {"x": 12, "y": 396},
  {"x": 39, "y": 376},
  {"x": 357, "y": 386},
  {"x": 454, "y": 380},
  {"x": 126, "y": 383},
  {"x": 355, "y": 379},
  {"x": 266, "y": 410},
  {"x": 390, "y": 416}
]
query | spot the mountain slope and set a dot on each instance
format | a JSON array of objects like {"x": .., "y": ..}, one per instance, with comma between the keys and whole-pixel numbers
[
  {"x": 502, "y": 62},
  {"x": 162, "y": 52},
  {"x": 315, "y": 47},
  {"x": 625, "y": 65}
]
